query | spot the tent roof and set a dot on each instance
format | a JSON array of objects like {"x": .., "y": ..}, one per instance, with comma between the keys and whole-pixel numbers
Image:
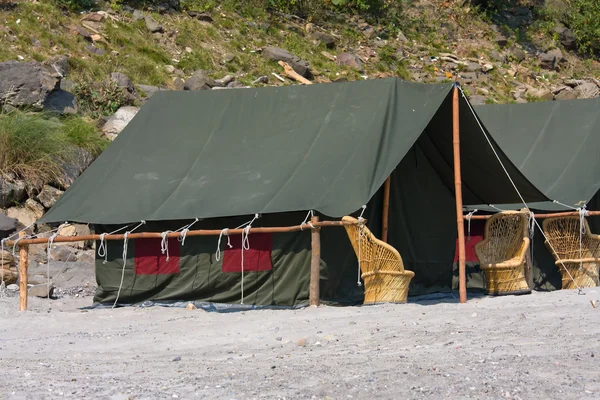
[
  {"x": 327, "y": 147},
  {"x": 554, "y": 144}
]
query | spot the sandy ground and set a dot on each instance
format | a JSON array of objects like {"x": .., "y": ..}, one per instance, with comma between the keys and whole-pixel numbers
[{"x": 544, "y": 345}]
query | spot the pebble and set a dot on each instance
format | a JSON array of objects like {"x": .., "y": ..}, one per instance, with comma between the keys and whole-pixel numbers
[
  {"x": 12, "y": 287},
  {"x": 302, "y": 342},
  {"x": 177, "y": 359}
]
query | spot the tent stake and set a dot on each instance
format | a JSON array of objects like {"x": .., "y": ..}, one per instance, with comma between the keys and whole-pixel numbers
[
  {"x": 386, "y": 209},
  {"x": 462, "y": 277},
  {"x": 23, "y": 261},
  {"x": 315, "y": 263}
]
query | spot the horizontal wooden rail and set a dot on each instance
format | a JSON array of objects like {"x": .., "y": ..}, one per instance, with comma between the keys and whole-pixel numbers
[
  {"x": 541, "y": 216},
  {"x": 158, "y": 235}
]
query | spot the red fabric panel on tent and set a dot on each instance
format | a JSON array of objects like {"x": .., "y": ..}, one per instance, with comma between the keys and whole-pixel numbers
[
  {"x": 150, "y": 261},
  {"x": 477, "y": 231},
  {"x": 257, "y": 258}
]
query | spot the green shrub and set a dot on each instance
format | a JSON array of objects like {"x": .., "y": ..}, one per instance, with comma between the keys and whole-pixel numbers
[
  {"x": 100, "y": 99},
  {"x": 33, "y": 146},
  {"x": 77, "y": 5},
  {"x": 583, "y": 16}
]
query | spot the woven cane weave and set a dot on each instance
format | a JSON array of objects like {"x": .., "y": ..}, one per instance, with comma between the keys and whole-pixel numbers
[
  {"x": 580, "y": 258},
  {"x": 502, "y": 253},
  {"x": 382, "y": 270}
]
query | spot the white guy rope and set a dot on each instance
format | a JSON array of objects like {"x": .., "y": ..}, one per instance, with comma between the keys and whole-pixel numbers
[
  {"x": 361, "y": 223},
  {"x": 164, "y": 243},
  {"x": 50, "y": 240},
  {"x": 185, "y": 231},
  {"x": 468, "y": 218},
  {"x": 580, "y": 290},
  {"x": 102, "y": 248},
  {"x": 218, "y": 252},
  {"x": 125, "y": 239},
  {"x": 310, "y": 214}
]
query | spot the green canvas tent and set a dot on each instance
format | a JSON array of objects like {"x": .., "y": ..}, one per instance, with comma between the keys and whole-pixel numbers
[
  {"x": 223, "y": 156},
  {"x": 555, "y": 144}
]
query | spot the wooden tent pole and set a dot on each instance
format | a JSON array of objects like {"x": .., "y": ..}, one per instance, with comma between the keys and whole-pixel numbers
[
  {"x": 386, "y": 210},
  {"x": 462, "y": 276},
  {"x": 315, "y": 263},
  {"x": 23, "y": 261}
]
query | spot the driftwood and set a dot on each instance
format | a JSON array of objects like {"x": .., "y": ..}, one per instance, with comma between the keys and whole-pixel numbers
[{"x": 290, "y": 73}]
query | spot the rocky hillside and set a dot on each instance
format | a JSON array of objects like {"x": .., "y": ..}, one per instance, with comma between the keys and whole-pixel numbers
[{"x": 74, "y": 72}]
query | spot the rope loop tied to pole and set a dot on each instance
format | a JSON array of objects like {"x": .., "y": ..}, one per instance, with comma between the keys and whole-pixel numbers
[
  {"x": 468, "y": 218},
  {"x": 307, "y": 220},
  {"x": 164, "y": 243},
  {"x": 218, "y": 252}
]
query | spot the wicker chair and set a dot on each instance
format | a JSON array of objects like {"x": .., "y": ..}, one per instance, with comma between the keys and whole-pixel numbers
[
  {"x": 502, "y": 253},
  {"x": 386, "y": 280},
  {"x": 581, "y": 260}
]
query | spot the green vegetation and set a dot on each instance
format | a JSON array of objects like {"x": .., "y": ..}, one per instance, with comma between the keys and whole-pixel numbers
[
  {"x": 583, "y": 16},
  {"x": 32, "y": 145}
]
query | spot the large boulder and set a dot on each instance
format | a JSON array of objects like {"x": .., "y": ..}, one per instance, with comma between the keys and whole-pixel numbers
[
  {"x": 25, "y": 84},
  {"x": 350, "y": 60},
  {"x": 152, "y": 25},
  {"x": 276, "y": 54},
  {"x": 7, "y": 226},
  {"x": 61, "y": 102},
  {"x": 12, "y": 193},
  {"x": 551, "y": 59},
  {"x": 49, "y": 196},
  {"x": 28, "y": 214},
  {"x": 587, "y": 90},
  {"x": 75, "y": 230},
  {"x": 326, "y": 39},
  {"x": 73, "y": 165},
  {"x": 118, "y": 121},
  {"x": 199, "y": 81}
]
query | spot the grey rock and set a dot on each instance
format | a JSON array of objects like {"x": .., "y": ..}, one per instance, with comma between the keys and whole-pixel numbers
[
  {"x": 587, "y": 90},
  {"x": 567, "y": 37},
  {"x": 542, "y": 94},
  {"x": 477, "y": 100},
  {"x": 138, "y": 15},
  {"x": 236, "y": 85},
  {"x": 199, "y": 81},
  {"x": 517, "y": 54},
  {"x": 226, "y": 80},
  {"x": 501, "y": 40},
  {"x": 228, "y": 57},
  {"x": 201, "y": 16},
  {"x": 49, "y": 196},
  {"x": 566, "y": 94},
  {"x": 148, "y": 90},
  {"x": 58, "y": 65},
  {"x": 61, "y": 102},
  {"x": 25, "y": 84},
  {"x": 326, "y": 39},
  {"x": 350, "y": 60},
  {"x": 261, "y": 79},
  {"x": 551, "y": 59},
  {"x": 152, "y": 25},
  {"x": 84, "y": 33},
  {"x": 368, "y": 32},
  {"x": 496, "y": 56},
  {"x": 42, "y": 290},
  {"x": 401, "y": 37},
  {"x": 473, "y": 67},
  {"x": 469, "y": 77},
  {"x": 118, "y": 121},
  {"x": 13, "y": 287},
  {"x": 62, "y": 253},
  {"x": 95, "y": 50},
  {"x": 122, "y": 81},
  {"x": 7, "y": 226},
  {"x": 170, "y": 69},
  {"x": 178, "y": 84},
  {"x": 277, "y": 54},
  {"x": 294, "y": 28},
  {"x": 76, "y": 161},
  {"x": 12, "y": 192},
  {"x": 28, "y": 214}
]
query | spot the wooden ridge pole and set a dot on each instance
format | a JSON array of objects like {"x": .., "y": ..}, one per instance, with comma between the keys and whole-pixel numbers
[
  {"x": 386, "y": 209},
  {"x": 315, "y": 263},
  {"x": 23, "y": 261},
  {"x": 462, "y": 276},
  {"x": 157, "y": 235}
]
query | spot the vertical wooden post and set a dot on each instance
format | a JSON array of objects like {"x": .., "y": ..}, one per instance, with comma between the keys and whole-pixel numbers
[
  {"x": 23, "y": 261},
  {"x": 462, "y": 275},
  {"x": 315, "y": 264},
  {"x": 386, "y": 210}
]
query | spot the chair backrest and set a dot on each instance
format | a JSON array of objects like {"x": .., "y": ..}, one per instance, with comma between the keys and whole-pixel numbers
[
  {"x": 372, "y": 252},
  {"x": 505, "y": 232},
  {"x": 563, "y": 233}
]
